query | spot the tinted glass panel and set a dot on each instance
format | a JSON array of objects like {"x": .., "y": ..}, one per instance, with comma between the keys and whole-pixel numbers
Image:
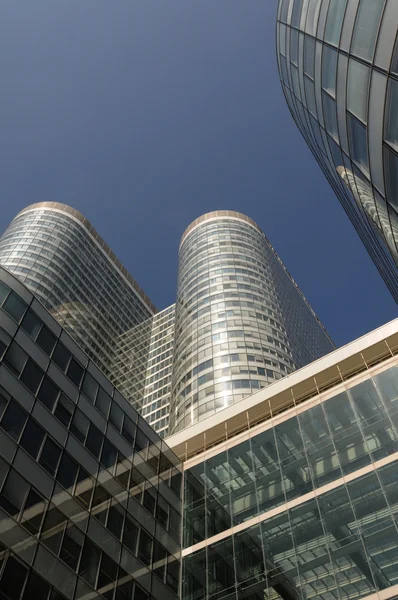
[
  {"x": 31, "y": 324},
  {"x": 90, "y": 387},
  {"x": 50, "y": 456},
  {"x": 32, "y": 438},
  {"x": 94, "y": 441},
  {"x": 13, "y": 579},
  {"x": 366, "y": 28},
  {"x": 75, "y": 372},
  {"x": 32, "y": 376},
  {"x": 67, "y": 471},
  {"x": 15, "y": 358},
  {"x": 48, "y": 393},
  {"x": 64, "y": 410},
  {"x": 46, "y": 340},
  {"x": 61, "y": 356},
  {"x": 15, "y": 307},
  {"x": 13, "y": 420}
]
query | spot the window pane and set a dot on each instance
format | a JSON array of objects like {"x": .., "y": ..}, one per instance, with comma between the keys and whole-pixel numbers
[
  {"x": 294, "y": 46},
  {"x": 329, "y": 112},
  {"x": 108, "y": 455},
  {"x": 358, "y": 144},
  {"x": 4, "y": 289},
  {"x": 335, "y": 21},
  {"x": 296, "y": 13},
  {"x": 15, "y": 307},
  {"x": 90, "y": 387},
  {"x": 312, "y": 16},
  {"x": 50, "y": 456},
  {"x": 391, "y": 174},
  {"x": 115, "y": 521},
  {"x": 4, "y": 398},
  {"x": 46, "y": 340},
  {"x": 15, "y": 358},
  {"x": 94, "y": 441},
  {"x": 64, "y": 410},
  {"x": 366, "y": 28},
  {"x": 130, "y": 535},
  {"x": 392, "y": 114},
  {"x": 128, "y": 431},
  {"x": 309, "y": 56},
  {"x": 103, "y": 402},
  {"x": 36, "y": 588},
  {"x": 116, "y": 416},
  {"x": 13, "y": 579},
  {"x": 32, "y": 376},
  {"x": 329, "y": 70},
  {"x": 358, "y": 86},
  {"x": 48, "y": 393},
  {"x": 14, "y": 493},
  {"x": 31, "y": 324},
  {"x": 80, "y": 425},
  {"x": 71, "y": 547},
  {"x": 32, "y": 438},
  {"x": 32, "y": 519},
  {"x": 75, "y": 372},
  {"x": 61, "y": 356},
  {"x": 89, "y": 563},
  {"x": 14, "y": 419},
  {"x": 145, "y": 548},
  {"x": 67, "y": 471},
  {"x": 5, "y": 340}
]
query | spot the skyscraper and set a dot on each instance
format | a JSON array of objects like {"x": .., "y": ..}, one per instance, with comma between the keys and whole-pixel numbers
[
  {"x": 241, "y": 321},
  {"x": 56, "y": 251},
  {"x": 338, "y": 64}
]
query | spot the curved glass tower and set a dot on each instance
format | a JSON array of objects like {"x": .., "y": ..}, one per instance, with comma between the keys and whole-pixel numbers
[
  {"x": 241, "y": 321},
  {"x": 58, "y": 254},
  {"x": 338, "y": 64}
]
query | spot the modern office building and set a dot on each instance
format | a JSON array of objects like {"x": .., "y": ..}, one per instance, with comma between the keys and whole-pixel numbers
[
  {"x": 241, "y": 321},
  {"x": 292, "y": 493},
  {"x": 59, "y": 255},
  {"x": 90, "y": 496},
  {"x": 338, "y": 64}
]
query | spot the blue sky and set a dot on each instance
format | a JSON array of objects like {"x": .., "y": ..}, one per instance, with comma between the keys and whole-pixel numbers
[{"x": 144, "y": 114}]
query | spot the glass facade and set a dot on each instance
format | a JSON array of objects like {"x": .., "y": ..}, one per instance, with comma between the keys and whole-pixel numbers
[
  {"x": 337, "y": 63},
  {"x": 312, "y": 497},
  {"x": 241, "y": 321},
  {"x": 90, "y": 496},
  {"x": 58, "y": 254},
  {"x": 143, "y": 368}
]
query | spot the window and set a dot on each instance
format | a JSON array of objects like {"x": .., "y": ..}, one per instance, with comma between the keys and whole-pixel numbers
[
  {"x": 309, "y": 56},
  {"x": 116, "y": 416},
  {"x": 90, "y": 387},
  {"x": 358, "y": 143},
  {"x": 128, "y": 431},
  {"x": 312, "y": 16},
  {"x": 358, "y": 87},
  {"x": 366, "y": 28},
  {"x": 329, "y": 112},
  {"x": 15, "y": 358},
  {"x": 48, "y": 393},
  {"x": 15, "y": 307},
  {"x": 94, "y": 441},
  {"x": 13, "y": 420},
  {"x": 145, "y": 547},
  {"x": 391, "y": 174},
  {"x": 67, "y": 471},
  {"x": 89, "y": 563},
  {"x": 50, "y": 456},
  {"x": 103, "y": 402},
  {"x": 61, "y": 356},
  {"x": 296, "y": 13},
  {"x": 31, "y": 324},
  {"x": 14, "y": 493},
  {"x": 108, "y": 455},
  {"x": 13, "y": 579},
  {"x": 392, "y": 114},
  {"x": 32, "y": 376},
  {"x": 75, "y": 372},
  {"x": 294, "y": 60},
  {"x": 71, "y": 547},
  {"x": 80, "y": 426},
  {"x": 130, "y": 535},
  {"x": 3, "y": 292},
  {"x": 46, "y": 340},
  {"x": 329, "y": 70},
  {"x": 115, "y": 521},
  {"x": 32, "y": 438},
  {"x": 335, "y": 21},
  {"x": 36, "y": 588},
  {"x": 64, "y": 410}
]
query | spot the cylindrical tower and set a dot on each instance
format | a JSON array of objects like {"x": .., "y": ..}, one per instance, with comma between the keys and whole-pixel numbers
[
  {"x": 59, "y": 255},
  {"x": 241, "y": 321}
]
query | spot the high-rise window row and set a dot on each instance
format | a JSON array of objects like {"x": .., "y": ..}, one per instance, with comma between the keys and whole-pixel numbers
[{"x": 338, "y": 63}]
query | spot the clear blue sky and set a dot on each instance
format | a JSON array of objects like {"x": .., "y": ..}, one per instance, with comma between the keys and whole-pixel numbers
[{"x": 144, "y": 114}]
